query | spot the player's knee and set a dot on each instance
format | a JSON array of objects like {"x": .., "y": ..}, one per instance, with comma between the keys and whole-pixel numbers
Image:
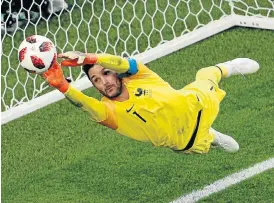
[
  {"x": 210, "y": 73},
  {"x": 202, "y": 74}
]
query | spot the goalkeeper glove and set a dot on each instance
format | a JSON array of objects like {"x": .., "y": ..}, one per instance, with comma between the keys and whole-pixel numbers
[
  {"x": 76, "y": 58},
  {"x": 55, "y": 77}
]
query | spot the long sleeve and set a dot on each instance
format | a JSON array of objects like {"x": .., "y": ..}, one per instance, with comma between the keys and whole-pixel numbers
[
  {"x": 96, "y": 109},
  {"x": 118, "y": 64}
]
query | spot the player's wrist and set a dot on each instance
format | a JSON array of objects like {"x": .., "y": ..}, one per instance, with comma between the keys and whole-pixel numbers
[
  {"x": 90, "y": 58},
  {"x": 64, "y": 86}
]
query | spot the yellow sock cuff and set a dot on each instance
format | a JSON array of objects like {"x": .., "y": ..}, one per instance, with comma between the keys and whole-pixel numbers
[{"x": 223, "y": 69}]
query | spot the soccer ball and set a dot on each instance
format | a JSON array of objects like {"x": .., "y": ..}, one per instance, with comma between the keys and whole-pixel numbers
[{"x": 36, "y": 54}]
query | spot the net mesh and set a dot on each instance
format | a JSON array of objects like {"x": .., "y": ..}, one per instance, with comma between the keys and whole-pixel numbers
[{"x": 118, "y": 27}]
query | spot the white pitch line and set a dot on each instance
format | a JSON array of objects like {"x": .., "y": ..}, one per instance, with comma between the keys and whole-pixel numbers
[{"x": 226, "y": 182}]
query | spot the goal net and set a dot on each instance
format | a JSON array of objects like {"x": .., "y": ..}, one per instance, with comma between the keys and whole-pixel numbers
[{"x": 144, "y": 29}]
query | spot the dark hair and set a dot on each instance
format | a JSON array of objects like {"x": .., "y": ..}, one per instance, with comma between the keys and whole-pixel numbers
[{"x": 86, "y": 68}]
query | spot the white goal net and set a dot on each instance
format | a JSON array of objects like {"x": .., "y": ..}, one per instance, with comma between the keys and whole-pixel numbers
[{"x": 145, "y": 29}]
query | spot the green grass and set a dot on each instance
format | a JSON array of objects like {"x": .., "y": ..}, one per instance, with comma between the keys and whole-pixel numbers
[
  {"x": 57, "y": 154},
  {"x": 258, "y": 189}
]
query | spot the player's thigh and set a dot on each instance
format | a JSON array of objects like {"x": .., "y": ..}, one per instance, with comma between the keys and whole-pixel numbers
[
  {"x": 202, "y": 86},
  {"x": 207, "y": 91},
  {"x": 204, "y": 138}
]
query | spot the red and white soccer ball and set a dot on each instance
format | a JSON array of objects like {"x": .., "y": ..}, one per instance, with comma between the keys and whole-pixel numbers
[{"x": 36, "y": 54}]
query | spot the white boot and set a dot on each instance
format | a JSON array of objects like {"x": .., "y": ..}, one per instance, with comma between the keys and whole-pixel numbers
[
  {"x": 225, "y": 142},
  {"x": 241, "y": 66}
]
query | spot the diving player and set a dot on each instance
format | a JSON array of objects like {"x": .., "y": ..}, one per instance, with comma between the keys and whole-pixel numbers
[{"x": 139, "y": 104}]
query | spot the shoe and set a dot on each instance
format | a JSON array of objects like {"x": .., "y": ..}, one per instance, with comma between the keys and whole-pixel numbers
[
  {"x": 8, "y": 22},
  {"x": 241, "y": 66},
  {"x": 11, "y": 21},
  {"x": 225, "y": 142}
]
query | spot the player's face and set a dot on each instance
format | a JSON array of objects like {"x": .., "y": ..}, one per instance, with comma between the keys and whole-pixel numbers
[{"x": 106, "y": 81}]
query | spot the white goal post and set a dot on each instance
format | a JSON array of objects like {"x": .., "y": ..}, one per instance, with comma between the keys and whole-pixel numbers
[{"x": 23, "y": 93}]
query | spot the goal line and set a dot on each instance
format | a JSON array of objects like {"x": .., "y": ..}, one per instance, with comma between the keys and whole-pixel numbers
[{"x": 226, "y": 182}]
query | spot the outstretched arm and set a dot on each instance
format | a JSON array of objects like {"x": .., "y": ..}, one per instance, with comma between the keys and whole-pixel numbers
[
  {"x": 117, "y": 63},
  {"x": 98, "y": 110},
  {"x": 123, "y": 66}
]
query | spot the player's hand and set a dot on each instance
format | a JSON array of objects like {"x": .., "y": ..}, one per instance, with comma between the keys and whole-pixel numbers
[
  {"x": 55, "y": 77},
  {"x": 77, "y": 58}
]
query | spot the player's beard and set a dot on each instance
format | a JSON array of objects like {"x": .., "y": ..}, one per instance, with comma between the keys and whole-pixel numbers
[{"x": 119, "y": 89}]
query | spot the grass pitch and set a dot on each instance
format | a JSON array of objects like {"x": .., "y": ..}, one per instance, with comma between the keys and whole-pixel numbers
[{"x": 57, "y": 154}]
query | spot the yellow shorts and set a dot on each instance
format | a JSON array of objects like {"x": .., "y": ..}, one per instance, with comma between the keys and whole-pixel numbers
[{"x": 210, "y": 96}]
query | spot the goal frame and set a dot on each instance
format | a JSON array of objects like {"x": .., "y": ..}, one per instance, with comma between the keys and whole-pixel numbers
[{"x": 169, "y": 47}]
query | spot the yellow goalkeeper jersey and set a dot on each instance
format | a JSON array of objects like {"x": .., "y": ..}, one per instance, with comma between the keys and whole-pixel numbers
[{"x": 155, "y": 112}]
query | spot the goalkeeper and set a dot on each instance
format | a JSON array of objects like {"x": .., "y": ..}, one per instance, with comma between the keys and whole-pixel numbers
[{"x": 139, "y": 104}]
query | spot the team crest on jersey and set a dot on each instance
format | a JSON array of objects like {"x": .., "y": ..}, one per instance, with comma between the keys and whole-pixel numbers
[{"x": 142, "y": 92}]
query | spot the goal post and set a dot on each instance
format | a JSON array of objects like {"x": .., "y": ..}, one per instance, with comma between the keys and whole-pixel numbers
[{"x": 145, "y": 30}]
